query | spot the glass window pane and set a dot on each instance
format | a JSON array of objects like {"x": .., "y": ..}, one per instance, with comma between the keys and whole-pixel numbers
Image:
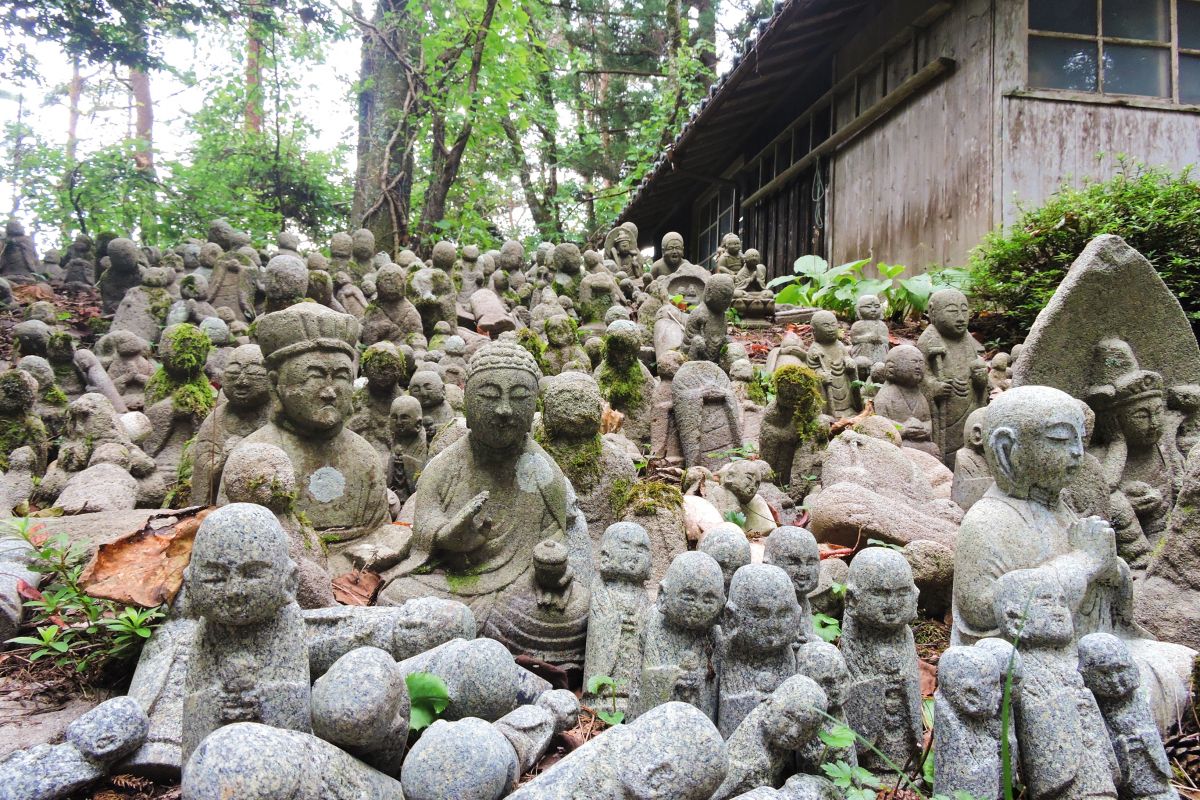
[
  {"x": 1137, "y": 19},
  {"x": 1063, "y": 16},
  {"x": 1189, "y": 24},
  {"x": 1189, "y": 79},
  {"x": 1137, "y": 70},
  {"x": 1062, "y": 64}
]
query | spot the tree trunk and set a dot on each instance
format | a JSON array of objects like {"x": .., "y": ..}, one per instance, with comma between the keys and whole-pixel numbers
[
  {"x": 254, "y": 94},
  {"x": 383, "y": 181},
  {"x": 74, "y": 92},
  {"x": 139, "y": 84}
]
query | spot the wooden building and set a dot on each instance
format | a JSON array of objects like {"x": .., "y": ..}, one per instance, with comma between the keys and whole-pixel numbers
[{"x": 903, "y": 130}]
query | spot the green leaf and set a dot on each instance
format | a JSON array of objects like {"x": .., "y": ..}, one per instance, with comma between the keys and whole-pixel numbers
[
  {"x": 790, "y": 295},
  {"x": 598, "y": 682},
  {"x": 611, "y": 717},
  {"x": 825, "y": 626},
  {"x": 810, "y": 266},
  {"x": 838, "y": 737},
  {"x": 428, "y": 696}
]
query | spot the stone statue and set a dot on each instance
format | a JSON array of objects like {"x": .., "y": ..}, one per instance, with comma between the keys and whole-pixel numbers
[
  {"x": 752, "y": 277},
  {"x": 625, "y": 382},
  {"x": 432, "y": 290},
  {"x": 752, "y": 300},
  {"x": 409, "y": 450},
  {"x": 232, "y": 286},
  {"x": 706, "y": 334},
  {"x": 123, "y": 274},
  {"x": 759, "y": 627},
  {"x": 729, "y": 255},
  {"x": 391, "y": 316},
  {"x": 130, "y": 369},
  {"x": 972, "y": 477},
  {"x": 1113, "y": 678},
  {"x": 824, "y": 663},
  {"x": 958, "y": 375},
  {"x": 999, "y": 376},
  {"x": 246, "y": 409},
  {"x": 178, "y": 397},
  {"x": 430, "y": 390},
  {"x": 249, "y": 662},
  {"x": 706, "y": 414},
  {"x": 620, "y": 604},
  {"x": 562, "y": 344},
  {"x": 285, "y": 282},
  {"x": 729, "y": 547},
  {"x": 885, "y": 697},
  {"x": 1054, "y": 706},
  {"x": 966, "y": 744},
  {"x": 384, "y": 367},
  {"x": 621, "y": 245},
  {"x": 737, "y": 494},
  {"x": 19, "y": 426},
  {"x": 869, "y": 334},
  {"x": 672, "y": 256},
  {"x": 487, "y": 500},
  {"x": 795, "y": 551},
  {"x": 678, "y": 642},
  {"x": 902, "y": 399},
  {"x": 309, "y": 352},
  {"x": 830, "y": 359},
  {"x": 362, "y": 249},
  {"x": 762, "y": 748},
  {"x": 1033, "y": 444},
  {"x": 672, "y": 751},
  {"x": 19, "y": 260},
  {"x": 793, "y": 434}
]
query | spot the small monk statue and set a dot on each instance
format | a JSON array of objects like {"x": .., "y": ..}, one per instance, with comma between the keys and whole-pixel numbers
[
  {"x": 621, "y": 246},
  {"x": 831, "y": 360},
  {"x": 824, "y": 663},
  {"x": 249, "y": 662},
  {"x": 706, "y": 334},
  {"x": 672, "y": 256},
  {"x": 409, "y": 449},
  {"x": 972, "y": 477},
  {"x": 902, "y": 400},
  {"x": 958, "y": 375},
  {"x": 384, "y": 367},
  {"x": 869, "y": 333},
  {"x": 795, "y": 551},
  {"x": 392, "y": 316},
  {"x": 752, "y": 277},
  {"x": 967, "y": 734},
  {"x": 729, "y": 547},
  {"x": 430, "y": 390},
  {"x": 729, "y": 255}
]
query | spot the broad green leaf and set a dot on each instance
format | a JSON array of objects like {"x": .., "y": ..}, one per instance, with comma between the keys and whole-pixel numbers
[
  {"x": 810, "y": 266},
  {"x": 838, "y": 737},
  {"x": 598, "y": 682}
]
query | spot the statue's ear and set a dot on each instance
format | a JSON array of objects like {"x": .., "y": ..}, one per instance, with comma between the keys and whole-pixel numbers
[{"x": 1002, "y": 441}]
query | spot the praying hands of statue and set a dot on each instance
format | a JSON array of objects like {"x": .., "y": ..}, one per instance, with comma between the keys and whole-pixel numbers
[
  {"x": 469, "y": 529},
  {"x": 1095, "y": 537},
  {"x": 240, "y": 703}
]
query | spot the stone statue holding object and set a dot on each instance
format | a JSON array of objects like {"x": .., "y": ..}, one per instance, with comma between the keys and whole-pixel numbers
[
  {"x": 958, "y": 374},
  {"x": 621, "y": 246},
  {"x": 1033, "y": 444},
  {"x": 831, "y": 359},
  {"x": 869, "y": 333}
]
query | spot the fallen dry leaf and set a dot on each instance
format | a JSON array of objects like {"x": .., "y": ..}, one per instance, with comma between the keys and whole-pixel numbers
[
  {"x": 33, "y": 292},
  {"x": 611, "y": 420},
  {"x": 356, "y": 588},
  {"x": 928, "y": 673},
  {"x": 144, "y": 568}
]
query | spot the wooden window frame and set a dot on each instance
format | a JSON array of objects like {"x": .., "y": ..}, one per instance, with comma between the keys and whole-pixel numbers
[
  {"x": 1100, "y": 40},
  {"x": 713, "y": 195}
]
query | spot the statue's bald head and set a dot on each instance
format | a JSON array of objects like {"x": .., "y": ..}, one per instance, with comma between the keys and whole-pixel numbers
[{"x": 1033, "y": 441}]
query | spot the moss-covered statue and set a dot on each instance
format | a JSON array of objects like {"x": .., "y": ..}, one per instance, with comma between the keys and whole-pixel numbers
[
  {"x": 793, "y": 433},
  {"x": 19, "y": 426},
  {"x": 624, "y": 381},
  {"x": 384, "y": 367},
  {"x": 486, "y": 501},
  {"x": 310, "y": 352},
  {"x": 178, "y": 397}
]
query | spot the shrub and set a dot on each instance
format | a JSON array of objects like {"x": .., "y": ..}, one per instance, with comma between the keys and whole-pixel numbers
[{"x": 1016, "y": 271}]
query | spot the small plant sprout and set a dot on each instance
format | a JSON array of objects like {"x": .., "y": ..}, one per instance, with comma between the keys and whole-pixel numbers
[
  {"x": 827, "y": 627},
  {"x": 428, "y": 697},
  {"x": 596, "y": 686}
]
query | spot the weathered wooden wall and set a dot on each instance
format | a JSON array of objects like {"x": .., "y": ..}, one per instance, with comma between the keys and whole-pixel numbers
[
  {"x": 1043, "y": 142},
  {"x": 916, "y": 188}
]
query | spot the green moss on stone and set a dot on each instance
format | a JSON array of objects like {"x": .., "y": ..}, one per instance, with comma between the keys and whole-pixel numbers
[
  {"x": 580, "y": 462},
  {"x": 643, "y": 498},
  {"x": 621, "y": 388},
  {"x": 536, "y": 345},
  {"x": 804, "y": 385},
  {"x": 52, "y": 395}
]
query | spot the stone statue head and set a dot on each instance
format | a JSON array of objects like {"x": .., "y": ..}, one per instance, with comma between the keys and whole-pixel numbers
[
  {"x": 622, "y": 240},
  {"x": 383, "y": 365},
  {"x": 742, "y": 479},
  {"x": 727, "y": 544},
  {"x": 615, "y": 313},
  {"x": 309, "y": 351},
  {"x": 501, "y": 395},
  {"x": 999, "y": 362},
  {"x": 880, "y": 592},
  {"x": 17, "y": 392},
  {"x": 1127, "y": 399},
  {"x": 40, "y": 369},
  {"x": 718, "y": 293},
  {"x": 949, "y": 312},
  {"x": 1006, "y": 657},
  {"x": 512, "y": 256},
  {"x": 287, "y": 240},
  {"x": 1031, "y": 604},
  {"x": 622, "y": 343},
  {"x": 970, "y": 679},
  {"x": 672, "y": 250},
  {"x": 210, "y": 254},
  {"x": 560, "y": 330},
  {"x": 567, "y": 258},
  {"x": 732, "y": 244},
  {"x": 341, "y": 245},
  {"x": 470, "y": 254},
  {"x": 762, "y": 614},
  {"x": 317, "y": 260},
  {"x": 405, "y": 416},
  {"x": 825, "y": 327},
  {"x": 240, "y": 572},
  {"x": 110, "y": 731},
  {"x": 794, "y": 713},
  {"x": 123, "y": 255},
  {"x": 692, "y": 591},
  {"x": 795, "y": 551},
  {"x": 183, "y": 350},
  {"x": 572, "y": 407},
  {"x": 567, "y": 304},
  {"x": 1033, "y": 442},
  {"x": 648, "y": 758},
  {"x": 824, "y": 663},
  {"x": 362, "y": 244},
  {"x": 444, "y": 255},
  {"x": 742, "y": 370},
  {"x": 13, "y": 228},
  {"x": 286, "y": 279},
  {"x": 245, "y": 378},
  {"x": 905, "y": 366},
  {"x": 320, "y": 286},
  {"x": 625, "y": 553},
  {"x": 389, "y": 283},
  {"x": 93, "y": 417},
  {"x": 752, "y": 258},
  {"x": 973, "y": 429},
  {"x": 428, "y": 387},
  {"x": 1108, "y": 669},
  {"x": 216, "y": 330},
  {"x": 261, "y": 473},
  {"x": 868, "y": 306}
]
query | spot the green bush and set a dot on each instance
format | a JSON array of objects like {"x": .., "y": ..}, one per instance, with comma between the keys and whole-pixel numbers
[{"x": 1016, "y": 271}]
